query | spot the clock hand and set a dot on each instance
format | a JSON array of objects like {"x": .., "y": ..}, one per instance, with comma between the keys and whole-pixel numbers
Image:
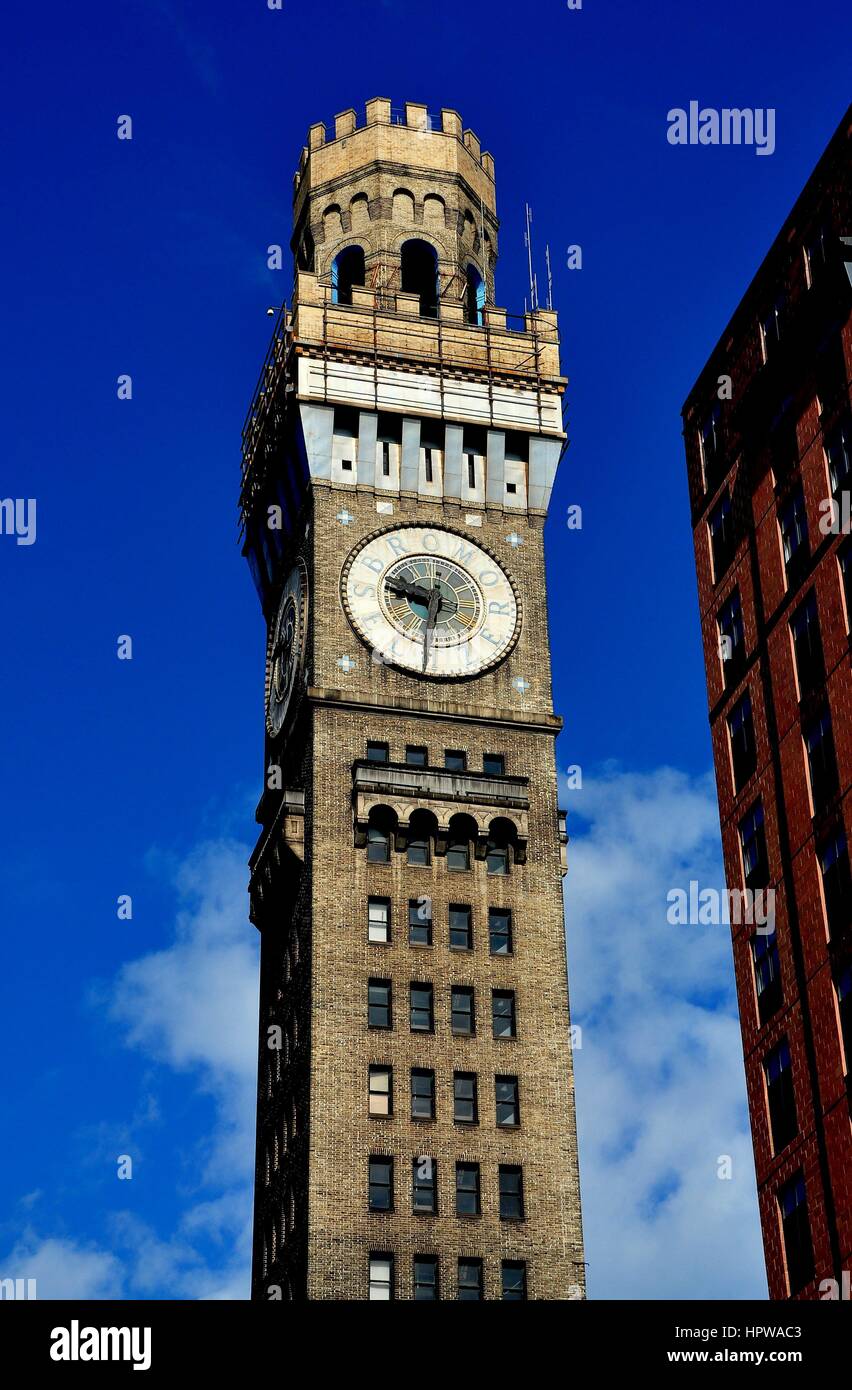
[
  {"x": 400, "y": 586},
  {"x": 434, "y": 605}
]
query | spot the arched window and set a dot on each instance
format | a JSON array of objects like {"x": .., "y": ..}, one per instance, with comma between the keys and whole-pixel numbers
[
  {"x": 403, "y": 206},
  {"x": 475, "y": 295},
  {"x": 419, "y": 272},
  {"x": 462, "y": 831},
  {"x": 347, "y": 269},
  {"x": 359, "y": 211},
  {"x": 468, "y": 233},
  {"x": 305, "y": 253},
  {"x": 502, "y": 834},
  {"x": 433, "y": 211},
  {"x": 422, "y": 827},
  {"x": 332, "y": 223},
  {"x": 379, "y": 831}
]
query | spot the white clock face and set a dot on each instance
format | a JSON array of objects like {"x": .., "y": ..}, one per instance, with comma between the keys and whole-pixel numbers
[
  {"x": 286, "y": 648},
  {"x": 431, "y": 601}
]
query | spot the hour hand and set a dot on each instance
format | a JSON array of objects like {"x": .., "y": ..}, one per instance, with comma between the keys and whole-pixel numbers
[{"x": 400, "y": 586}]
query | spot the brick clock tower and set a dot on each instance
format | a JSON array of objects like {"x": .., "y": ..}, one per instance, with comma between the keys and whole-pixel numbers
[{"x": 415, "y": 1123}]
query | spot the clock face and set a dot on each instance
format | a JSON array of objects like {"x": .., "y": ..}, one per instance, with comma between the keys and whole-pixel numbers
[
  {"x": 286, "y": 648},
  {"x": 431, "y": 601}
]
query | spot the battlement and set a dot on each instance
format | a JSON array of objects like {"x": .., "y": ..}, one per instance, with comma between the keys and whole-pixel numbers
[{"x": 401, "y": 127}]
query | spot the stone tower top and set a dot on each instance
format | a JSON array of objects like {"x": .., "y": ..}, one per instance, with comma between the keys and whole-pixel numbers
[{"x": 389, "y": 202}]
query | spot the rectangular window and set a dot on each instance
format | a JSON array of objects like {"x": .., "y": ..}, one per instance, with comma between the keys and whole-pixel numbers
[
  {"x": 379, "y": 1003},
  {"x": 720, "y": 526},
  {"x": 467, "y": 1189},
  {"x": 471, "y": 471},
  {"x": 424, "y": 1185},
  {"x": 743, "y": 749},
  {"x": 427, "y": 459},
  {"x": 378, "y": 920},
  {"x": 844, "y": 1007},
  {"x": 465, "y": 1103},
  {"x": 778, "y": 1068},
  {"x": 816, "y": 256},
  {"x": 381, "y": 1278},
  {"x": 380, "y": 1189},
  {"x": 422, "y": 1094},
  {"x": 416, "y": 755},
  {"x": 458, "y": 852},
  {"x": 767, "y": 975},
  {"x": 795, "y": 1227},
  {"x": 470, "y": 1280},
  {"x": 838, "y": 455},
  {"x": 377, "y": 752},
  {"x": 511, "y": 1192},
  {"x": 503, "y": 1013},
  {"x": 385, "y": 458},
  {"x": 494, "y": 764},
  {"x": 793, "y": 524},
  {"x": 463, "y": 1021},
  {"x": 732, "y": 648},
  {"x": 381, "y": 1090},
  {"x": 807, "y": 645},
  {"x": 844, "y": 560},
  {"x": 771, "y": 327},
  {"x": 506, "y": 1098},
  {"x": 710, "y": 438},
  {"x": 455, "y": 761},
  {"x": 836, "y": 882},
  {"x": 822, "y": 762},
  {"x": 420, "y": 921},
  {"x": 461, "y": 928},
  {"x": 425, "y": 1279},
  {"x": 378, "y": 844},
  {"x": 753, "y": 842},
  {"x": 513, "y": 1275},
  {"x": 499, "y": 931},
  {"x": 421, "y": 1010},
  {"x": 419, "y": 842}
]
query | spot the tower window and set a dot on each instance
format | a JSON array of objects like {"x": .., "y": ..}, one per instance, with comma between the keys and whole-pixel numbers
[
  {"x": 385, "y": 458},
  {"x": 781, "y": 1100},
  {"x": 422, "y": 1094},
  {"x": 424, "y": 1180},
  {"x": 380, "y": 1185},
  {"x": 511, "y": 1193},
  {"x": 767, "y": 975},
  {"x": 720, "y": 526},
  {"x": 379, "y": 1004},
  {"x": 469, "y": 1280},
  {"x": 494, "y": 764},
  {"x": 347, "y": 271},
  {"x": 425, "y": 1279},
  {"x": 793, "y": 524},
  {"x": 513, "y": 1274},
  {"x": 461, "y": 928},
  {"x": 420, "y": 921},
  {"x": 710, "y": 442},
  {"x": 503, "y": 1013},
  {"x": 419, "y": 275},
  {"x": 455, "y": 760},
  {"x": 471, "y": 471},
  {"x": 422, "y": 1015},
  {"x": 378, "y": 920},
  {"x": 497, "y": 857},
  {"x": 427, "y": 458},
  {"x": 506, "y": 1098},
  {"x": 753, "y": 842},
  {"x": 416, "y": 755},
  {"x": 377, "y": 752},
  {"x": 378, "y": 844},
  {"x": 465, "y": 1104},
  {"x": 499, "y": 931},
  {"x": 743, "y": 749},
  {"x": 474, "y": 295},
  {"x": 795, "y": 1227},
  {"x": 836, "y": 882},
  {"x": 467, "y": 1189},
  {"x": 381, "y": 1090},
  {"x": 463, "y": 1019},
  {"x": 381, "y": 1278}
]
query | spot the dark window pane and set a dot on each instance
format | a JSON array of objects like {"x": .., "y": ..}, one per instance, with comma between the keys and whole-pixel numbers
[
  {"x": 416, "y": 756},
  {"x": 418, "y": 851},
  {"x": 422, "y": 1095},
  {"x": 753, "y": 841},
  {"x": 455, "y": 761},
  {"x": 494, "y": 764},
  {"x": 467, "y": 1189},
  {"x": 461, "y": 932},
  {"x": 381, "y": 1184},
  {"x": 779, "y": 1090},
  {"x": 798, "y": 1248},
  {"x": 500, "y": 931},
  {"x": 421, "y": 1009},
  {"x": 425, "y": 1279},
  {"x": 743, "y": 749},
  {"x": 807, "y": 645},
  {"x": 378, "y": 845},
  {"x": 503, "y": 1013},
  {"x": 838, "y": 453},
  {"x": 470, "y": 1280},
  {"x": 836, "y": 883},
  {"x": 377, "y": 752},
  {"x": 458, "y": 854},
  {"x": 844, "y": 1002},
  {"x": 767, "y": 975},
  {"x": 420, "y": 921},
  {"x": 732, "y": 638},
  {"x": 514, "y": 1277},
  {"x": 794, "y": 533},
  {"x": 497, "y": 858},
  {"x": 822, "y": 762},
  {"x": 506, "y": 1097},
  {"x": 462, "y": 1010},
  {"x": 379, "y": 1003},
  {"x": 465, "y": 1105},
  {"x": 511, "y": 1193},
  {"x": 424, "y": 1178},
  {"x": 720, "y": 526}
]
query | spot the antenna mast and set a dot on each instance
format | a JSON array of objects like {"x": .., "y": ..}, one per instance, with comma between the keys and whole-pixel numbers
[
  {"x": 528, "y": 241},
  {"x": 549, "y": 278}
]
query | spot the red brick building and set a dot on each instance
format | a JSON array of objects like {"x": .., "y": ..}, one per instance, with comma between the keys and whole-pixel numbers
[{"x": 768, "y": 431}]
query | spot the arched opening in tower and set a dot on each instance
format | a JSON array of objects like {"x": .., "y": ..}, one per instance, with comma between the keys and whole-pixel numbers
[
  {"x": 475, "y": 295},
  {"x": 419, "y": 270},
  {"x": 347, "y": 270}
]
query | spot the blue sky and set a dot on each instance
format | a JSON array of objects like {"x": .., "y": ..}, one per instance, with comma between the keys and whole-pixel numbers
[{"x": 149, "y": 257}]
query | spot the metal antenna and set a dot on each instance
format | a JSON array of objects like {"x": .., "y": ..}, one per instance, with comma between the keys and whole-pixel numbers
[
  {"x": 549, "y": 278},
  {"x": 528, "y": 242}
]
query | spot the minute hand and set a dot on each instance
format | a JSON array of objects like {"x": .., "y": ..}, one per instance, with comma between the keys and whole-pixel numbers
[{"x": 434, "y": 605}]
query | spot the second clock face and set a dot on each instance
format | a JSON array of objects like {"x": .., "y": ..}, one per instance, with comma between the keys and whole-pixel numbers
[{"x": 431, "y": 601}]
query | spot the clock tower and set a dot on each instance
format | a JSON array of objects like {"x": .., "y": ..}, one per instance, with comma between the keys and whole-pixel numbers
[{"x": 415, "y": 1122}]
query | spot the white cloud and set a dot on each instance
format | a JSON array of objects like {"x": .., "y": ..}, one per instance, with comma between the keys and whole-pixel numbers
[
  {"x": 660, "y": 1082},
  {"x": 64, "y": 1269}
]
